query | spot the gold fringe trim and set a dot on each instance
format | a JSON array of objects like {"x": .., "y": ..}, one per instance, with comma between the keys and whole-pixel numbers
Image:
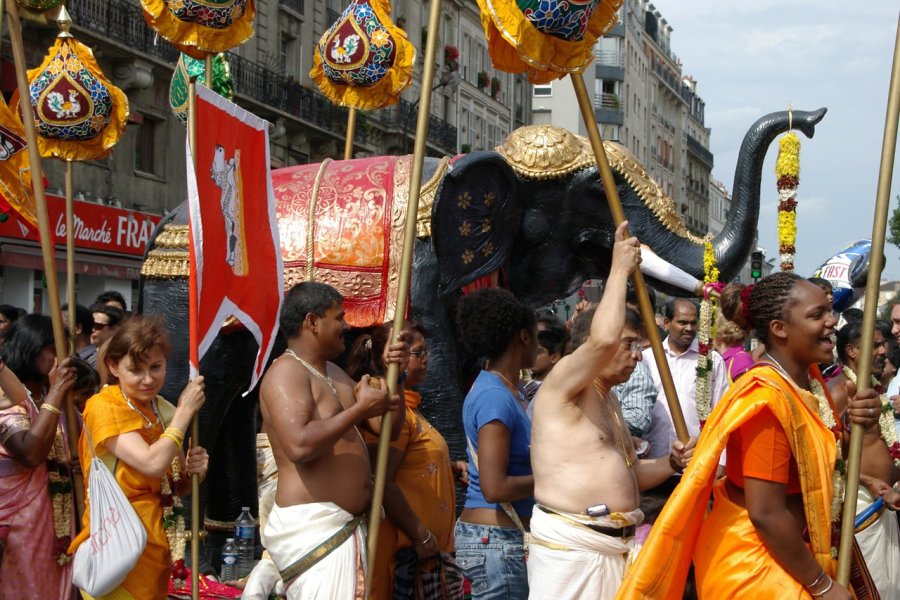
[
  {"x": 170, "y": 259},
  {"x": 426, "y": 198}
]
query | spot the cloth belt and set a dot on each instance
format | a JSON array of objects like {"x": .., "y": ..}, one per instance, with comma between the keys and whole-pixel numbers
[
  {"x": 619, "y": 532},
  {"x": 317, "y": 554}
]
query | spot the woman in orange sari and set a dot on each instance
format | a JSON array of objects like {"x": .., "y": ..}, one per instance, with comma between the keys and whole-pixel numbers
[
  {"x": 141, "y": 435},
  {"x": 419, "y": 495},
  {"x": 780, "y": 430}
]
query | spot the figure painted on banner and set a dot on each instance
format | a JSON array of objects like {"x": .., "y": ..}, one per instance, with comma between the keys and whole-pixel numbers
[
  {"x": 128, "y": 420},
  {"x": 226, "y": 174},
  {"x": 769, "y": 533},
  {"x": 36, "y": 514},
  {"x": 878, "y": 537},
  {"x": 311, "y": 411},
  {"x": 587, "y": 473}
]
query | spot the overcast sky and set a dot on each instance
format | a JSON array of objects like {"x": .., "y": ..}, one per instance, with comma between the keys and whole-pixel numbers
[{"x": 751, "y": 58}]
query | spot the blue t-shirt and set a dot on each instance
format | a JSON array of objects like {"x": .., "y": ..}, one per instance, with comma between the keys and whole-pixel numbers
[{"x": 490, "y": 400}]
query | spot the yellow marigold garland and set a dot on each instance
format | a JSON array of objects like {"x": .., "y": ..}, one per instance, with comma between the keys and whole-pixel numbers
[
  {"x": 703, "y": 394},
  {"x": 787, "y": 173}
]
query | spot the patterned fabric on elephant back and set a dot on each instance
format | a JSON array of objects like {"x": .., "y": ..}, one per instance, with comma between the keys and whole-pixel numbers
[{"x": 354, "y": 239}]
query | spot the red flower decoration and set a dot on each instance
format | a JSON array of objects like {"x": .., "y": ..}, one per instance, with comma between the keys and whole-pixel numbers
[
  {"x": 704, "y": 349},
  {"x": 179, "y": 571},
  {"x": 895, "y": 451}
]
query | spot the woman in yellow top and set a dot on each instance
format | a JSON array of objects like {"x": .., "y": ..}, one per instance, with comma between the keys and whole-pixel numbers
[
  {"x": 142, "y": 434},
  {"x": 419, "y": 495}
]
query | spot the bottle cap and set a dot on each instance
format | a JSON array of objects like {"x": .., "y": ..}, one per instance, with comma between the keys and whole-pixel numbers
[
  {"x": 245, "y": 509},
  {"x": 229, "y": 540}
]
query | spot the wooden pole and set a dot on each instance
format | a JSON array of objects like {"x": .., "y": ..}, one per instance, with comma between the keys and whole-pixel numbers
[
  {"x": 194, "y": 349},
  {"x": 37, "y": 183},
  {"x": 351, "y": 133},
  {"x": 70, "y": 255},
  {"x": 409, "y": 242},
  {"x": 876, "y": 262},
  {"x": 615, "y": 207}
]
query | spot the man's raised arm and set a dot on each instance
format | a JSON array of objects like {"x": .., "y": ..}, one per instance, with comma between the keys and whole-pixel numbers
[{"x": 576, "y": 371}]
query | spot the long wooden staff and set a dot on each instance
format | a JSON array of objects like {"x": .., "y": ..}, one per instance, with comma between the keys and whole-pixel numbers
[
  {"x": 37, "y": 183},
  {"x": 409, "y": 241},
  {"x": 615, "y": 207},
  {"x": 70, "y": 253},
  {"x": 351, "y": 133},
  {"x": 876, "y": 262}
]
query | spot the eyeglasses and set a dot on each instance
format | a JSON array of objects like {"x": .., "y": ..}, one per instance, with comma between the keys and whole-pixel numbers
[
  {"x": 420, "y": 354},
  {"x": 632, "y": 346},
  {"x": 99, "y": 326}
]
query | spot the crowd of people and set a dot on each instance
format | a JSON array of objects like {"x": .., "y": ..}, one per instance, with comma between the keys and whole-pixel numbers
[{"x": 575, "y": 481}]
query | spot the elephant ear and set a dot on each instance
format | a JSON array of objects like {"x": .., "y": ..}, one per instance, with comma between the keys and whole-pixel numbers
[{"x": 474, "y": 219}]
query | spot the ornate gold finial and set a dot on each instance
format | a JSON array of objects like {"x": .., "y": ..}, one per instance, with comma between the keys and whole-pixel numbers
[
  {"x": 544, "y": 152},
  {"x": 64, "y": 21}
]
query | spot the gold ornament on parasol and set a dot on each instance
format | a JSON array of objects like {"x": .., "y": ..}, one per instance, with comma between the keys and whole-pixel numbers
[
  {"x": 15, "y": 169},
  {"x": 78, "y": 113},
  {"x": 548, "y": 39},
  {"x": 364, "y": 61},
  {"x": 201, "y": 27}
]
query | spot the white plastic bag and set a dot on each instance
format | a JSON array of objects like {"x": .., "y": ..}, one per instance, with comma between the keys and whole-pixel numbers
[{"x": 104, "y": 560}]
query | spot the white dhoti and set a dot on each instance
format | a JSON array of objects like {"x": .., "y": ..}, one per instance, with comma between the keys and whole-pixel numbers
[
  {"x": 568, "y": 559},
  {"x": 306, "y": 545},
  {"x": 879, "y": 543}
]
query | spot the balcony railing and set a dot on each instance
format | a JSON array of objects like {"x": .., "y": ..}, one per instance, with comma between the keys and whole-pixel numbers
[
  {"x": 608, "y": 102},
  {"x": 610, "y": 58},
  {"x": 122, "y": 22},
  {"x": 295, "y": 5},
  {"x": 696, "y": 148}
]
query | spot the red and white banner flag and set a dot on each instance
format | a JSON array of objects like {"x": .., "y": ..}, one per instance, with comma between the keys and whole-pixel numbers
[{"x": 236, "y": 264}]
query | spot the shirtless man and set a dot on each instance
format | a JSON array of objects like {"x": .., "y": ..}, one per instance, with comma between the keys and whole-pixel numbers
[
  {"x": 587, "y": 475},
  {"x": 310, "y": 407}
]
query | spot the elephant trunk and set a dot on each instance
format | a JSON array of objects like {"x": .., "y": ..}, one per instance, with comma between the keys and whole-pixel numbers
[{"x": 734, "y": 243}]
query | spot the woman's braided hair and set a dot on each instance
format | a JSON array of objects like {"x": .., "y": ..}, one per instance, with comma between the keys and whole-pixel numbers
[{"x": 767, "y": 301}]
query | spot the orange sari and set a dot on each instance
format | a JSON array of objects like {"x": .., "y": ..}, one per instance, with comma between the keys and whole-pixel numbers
[
  {"x": 678, "y": 535},
  {"x": 107, "y": 415}
]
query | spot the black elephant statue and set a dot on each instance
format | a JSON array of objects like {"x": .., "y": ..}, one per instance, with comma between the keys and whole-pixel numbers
[{"x": 531, "y": 216}]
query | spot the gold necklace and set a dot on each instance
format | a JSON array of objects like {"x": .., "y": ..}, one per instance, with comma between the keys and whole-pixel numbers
[
  {"x": 328, "y": 381},
  {"x": 625, "y": 453},
  {"x": 147, "y": 422},
  {"x": 506, "y": 381}
]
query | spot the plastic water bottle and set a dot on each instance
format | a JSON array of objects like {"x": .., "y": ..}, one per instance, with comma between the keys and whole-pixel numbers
[
  {"x": 245, "y": 541},
  {"x": 229, "y": 561}
]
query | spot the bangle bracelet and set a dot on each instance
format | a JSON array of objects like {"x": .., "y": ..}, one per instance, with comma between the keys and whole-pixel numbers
[
  {"x": 425, "y": 541},
  {"x": 825, "y": 591},
  {"x": 175, "y": 431},
  {"x": 675, "y": 466},
  {"x": 816, "y": 580},
  {"x": 173, "y": 438},
  {"x": 52, "y": 409}
]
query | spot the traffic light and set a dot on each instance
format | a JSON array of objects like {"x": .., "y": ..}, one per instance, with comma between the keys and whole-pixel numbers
[{"x": 756, "y": 265}]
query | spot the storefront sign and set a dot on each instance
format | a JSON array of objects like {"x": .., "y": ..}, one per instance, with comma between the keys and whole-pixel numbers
[{"x": 97, "y": 227}]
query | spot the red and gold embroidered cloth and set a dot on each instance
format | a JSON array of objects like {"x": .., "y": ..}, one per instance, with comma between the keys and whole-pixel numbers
[{"x": 359, "y": 209}]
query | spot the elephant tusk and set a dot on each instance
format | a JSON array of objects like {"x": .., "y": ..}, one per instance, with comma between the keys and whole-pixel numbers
[{"x": 654, "y": 266}]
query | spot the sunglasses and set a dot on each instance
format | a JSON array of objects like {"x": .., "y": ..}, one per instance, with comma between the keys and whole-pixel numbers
[{"x": 99, "y": 326}]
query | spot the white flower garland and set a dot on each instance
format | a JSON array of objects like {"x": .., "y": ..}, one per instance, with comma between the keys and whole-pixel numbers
[{"x": 885, "y": 419}]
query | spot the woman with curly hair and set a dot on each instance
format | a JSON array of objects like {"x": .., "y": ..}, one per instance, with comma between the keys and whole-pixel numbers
[
  {"x": 490, "y": 550},
  {"x": 780, "y": 428},
  {"x": 730, "y": 338}
]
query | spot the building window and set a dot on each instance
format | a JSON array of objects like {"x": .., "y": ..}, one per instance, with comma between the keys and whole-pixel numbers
[
  {"x": 145, "y": 146},
  {"x": 543, "y": 89}
]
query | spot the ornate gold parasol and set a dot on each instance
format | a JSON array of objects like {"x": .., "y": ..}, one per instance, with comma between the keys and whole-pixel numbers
[{"x": 201, "y": 27}]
